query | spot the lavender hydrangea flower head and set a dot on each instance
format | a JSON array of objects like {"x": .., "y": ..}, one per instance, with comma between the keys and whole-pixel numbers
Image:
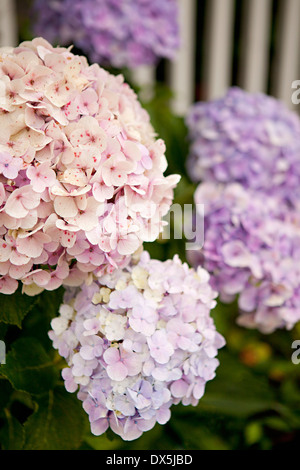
[
  {"x": 252, "y": 251},
  {"x": 82, "y": 182},
  {"x": 252, "y": 139},
  {"x": 121, "y": 33},
  {"x": 138, "y": 341}
]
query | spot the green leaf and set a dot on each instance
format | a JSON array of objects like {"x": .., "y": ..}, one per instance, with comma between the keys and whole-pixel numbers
[
  {"x": 277, "y": 423},
  {"x": 57, "y": 424},
  {"x": 5, "y": 392},
  {"x": 37, "y": 324},
  {"x": 3, "y": 330},
  {"x": 14, "y": 307},
  {"x": 103, "y": 442},
  {"x": 29, "y": 368},
  {"x": 169, "y": 127},
  {"x": 196, "y": 435},
  {"x": 49, "y": 302},
  {"x": 253, "y": 433},
  {"x": 236, "y": 390},
  {"x": 12, "y": 434}
]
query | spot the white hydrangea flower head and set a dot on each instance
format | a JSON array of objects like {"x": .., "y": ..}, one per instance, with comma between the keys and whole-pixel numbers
[{"x": 131, "y": 358}]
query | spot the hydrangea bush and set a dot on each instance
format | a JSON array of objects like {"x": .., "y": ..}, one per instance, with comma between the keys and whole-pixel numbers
[
  {"x": 137, "y": 341},
  {"x": 119, "y": 33},
  {"x": 82, "y": 182},
  {"x": 249, "y": 138},
  {"x": 82, "y": 186},
  {"x": 252, "y": 250}
]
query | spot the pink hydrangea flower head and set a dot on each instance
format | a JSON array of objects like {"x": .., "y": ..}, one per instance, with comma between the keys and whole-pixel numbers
[
  {"x": 81, "y": 170},
  {"x": 132, "y": 350}
]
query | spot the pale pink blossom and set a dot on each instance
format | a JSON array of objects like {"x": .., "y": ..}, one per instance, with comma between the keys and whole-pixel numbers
[
  {"x": 115, "y": 170},
  {"x": 8, "y": 285},
  {"x": 32, "y": 243},
  {"x": 121, "y": 364},
  {"x": 10, "y": 166},
  {"x": 21, "y": 201},
  {"x": 41, "y": 177},
  {"x": 82, "y": 173},
  {"x": 102, "y": 192},
  {"x": 88, "y": 133},
  {"x": 88, "y": 218}
]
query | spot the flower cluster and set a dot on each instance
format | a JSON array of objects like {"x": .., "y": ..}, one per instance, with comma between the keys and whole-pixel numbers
[
  {"x": 82, "y": 181},
  {"x": 252, "y": 139},
  {"x": 121, "y": 33},
  {"x": 137, "y": 341},
  {"x": 252, "y": 250}
]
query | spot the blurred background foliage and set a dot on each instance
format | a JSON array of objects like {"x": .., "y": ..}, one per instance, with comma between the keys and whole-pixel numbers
[{"x": 253, "y": 403}]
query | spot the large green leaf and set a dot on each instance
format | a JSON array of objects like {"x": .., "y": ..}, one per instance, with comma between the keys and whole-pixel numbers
[
  {"x": 5, "y": 392},
  {"x": 29, "y": 368},
  {"x": 14, "y": 307},
  {"x": 237, "y": 390},
  {"x": 12, "y": 434},
  {"x": 37, "y": 323},
  {"x": 196, "y": 435},
  {"x": 58, "y": 423}
]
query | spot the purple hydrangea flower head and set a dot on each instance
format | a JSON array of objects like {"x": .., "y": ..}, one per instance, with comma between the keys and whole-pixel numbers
[
  {"x": 127, "y": 372},
  {"x": 249, "y": 138},
  {"x": 121, "y": 33},
  {"x": 252, "y": 251}
]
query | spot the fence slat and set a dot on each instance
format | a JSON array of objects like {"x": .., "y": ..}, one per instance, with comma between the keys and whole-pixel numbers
[
  {"x": 182, "y": 68},
  {"x": 287, "y": 69},
  {"x": 8, "y": 23},
  {"x": 256, "y": 46},
  {"x": 219, "y": 38},
  {"x": 144, "y": 77}
]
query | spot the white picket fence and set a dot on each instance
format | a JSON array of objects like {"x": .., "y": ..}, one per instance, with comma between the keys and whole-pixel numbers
[
  {"x": 255, "y": 72},
  {"x": 8, "y": 23}
]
